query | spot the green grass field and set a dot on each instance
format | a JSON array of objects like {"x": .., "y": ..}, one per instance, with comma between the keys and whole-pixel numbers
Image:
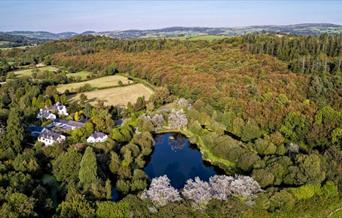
[
  {"x": 102, "y": 82},
  {"x": 81, "y": 74},
  {"x": 28, "y": 72}
]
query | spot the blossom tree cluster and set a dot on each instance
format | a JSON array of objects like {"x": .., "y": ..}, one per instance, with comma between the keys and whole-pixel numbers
[
  {"x": 200, "y": 192},
  {"x": 177, "y": 119},
  {"x": 219, "y": 187},
  {"x": 157, "y": 120},
  {"x": 183, "y": 103},
  {"x": 161, "y": 192},
  {"x": 197, "y": 191}
]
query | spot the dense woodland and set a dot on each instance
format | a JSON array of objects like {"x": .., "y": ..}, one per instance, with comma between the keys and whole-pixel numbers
[{"x": 262, "y": 105}]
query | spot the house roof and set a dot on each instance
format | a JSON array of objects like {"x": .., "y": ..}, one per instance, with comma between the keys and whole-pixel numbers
[
  {"x": 98, "y": 135},
  {"x": 72, "y": 123},
  {"x": 57, "y": 106},
  {"x": 33, "y": 128},
  {"x": 44, "y": 112},
  {"x": 48, "y": 134}
]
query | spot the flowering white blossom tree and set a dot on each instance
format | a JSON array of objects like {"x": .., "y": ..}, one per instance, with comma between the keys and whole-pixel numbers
[
  {"x": 161, "y": 192},
  {"x": 221, "y": 186},
  {"x": 201, "y": 192},
  {"x": 244, "y": 186},
  {"x": 183, "y": 103},
  {"x": 197, "y": 191},
  {"x": 158, "y": 121},
  {"x": 177, "y": 119}
]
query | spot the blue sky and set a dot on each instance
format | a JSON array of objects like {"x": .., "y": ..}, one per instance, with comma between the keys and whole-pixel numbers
[{"x": 100, "y": 15}]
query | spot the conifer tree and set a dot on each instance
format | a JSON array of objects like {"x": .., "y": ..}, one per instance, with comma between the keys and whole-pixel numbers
[
  {"x": 14, "y": 130},
  {"x": 88, "y": 169}
]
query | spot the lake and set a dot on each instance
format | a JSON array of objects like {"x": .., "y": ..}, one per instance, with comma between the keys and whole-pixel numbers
[{"x": 177, "y": 158}]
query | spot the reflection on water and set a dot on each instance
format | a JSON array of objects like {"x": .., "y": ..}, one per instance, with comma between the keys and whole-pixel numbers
[
  {"x": 177, "y": 142},
  {"x": 174, "y": 156}
]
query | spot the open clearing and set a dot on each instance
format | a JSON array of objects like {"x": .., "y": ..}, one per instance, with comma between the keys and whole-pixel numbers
[
  {"x": 102, "y": 82},
  {"x": 81, "y": 74},
  {"x": 117, "y": 95},
  {"x": 28, "y": 72}
]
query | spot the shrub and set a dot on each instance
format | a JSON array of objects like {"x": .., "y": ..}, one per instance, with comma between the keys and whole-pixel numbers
[
  {"x": 282, "y": 199},
  {"x": 306, "y": 191},
  {"x": 112, "y": 210},
  {"x": 264, "y": 177},
  {"x": 330, "y": 189}
]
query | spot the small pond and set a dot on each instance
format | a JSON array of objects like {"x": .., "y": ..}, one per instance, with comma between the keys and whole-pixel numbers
[{"x": 177, "y": 158}]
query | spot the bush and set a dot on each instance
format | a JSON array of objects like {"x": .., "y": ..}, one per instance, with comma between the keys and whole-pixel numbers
[
  {"x": 306, "y": 191},
  {"x": 329, "y": 189},
  {"x": 282, "y": 199},
  {"x": 112, "y": 210},
  {"x": 263, "y": 177}
]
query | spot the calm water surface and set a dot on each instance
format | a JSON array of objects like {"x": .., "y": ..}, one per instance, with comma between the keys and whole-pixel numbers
[{"x": 174, "y": 156}]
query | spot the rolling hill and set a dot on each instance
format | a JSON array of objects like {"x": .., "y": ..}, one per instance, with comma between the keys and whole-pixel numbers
[{"x": 296, "y": 29}]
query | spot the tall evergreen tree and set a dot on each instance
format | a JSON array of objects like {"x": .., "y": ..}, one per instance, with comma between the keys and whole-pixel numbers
[
  {"x": 14, "y": 130},
  {"x": 88, "y": 170}
]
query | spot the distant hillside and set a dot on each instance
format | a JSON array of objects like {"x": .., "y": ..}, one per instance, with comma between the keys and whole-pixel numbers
[
  {"x": 8, "y": 40},
  {"x": 43, "y": 34},
  {"x": 297, "y": 29}
]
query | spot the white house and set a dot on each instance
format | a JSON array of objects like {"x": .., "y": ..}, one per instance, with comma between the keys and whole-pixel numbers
[
  {"x": 46, "y": 114},
  {"x": 61, "y": 109},
  {"x": 97, "y": 137},
  {"x": 49, "y": 137}
]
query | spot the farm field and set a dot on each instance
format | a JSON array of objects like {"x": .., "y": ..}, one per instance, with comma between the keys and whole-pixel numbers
[
  {"x": 28, "y": 72},
  {"x": 102, "y": 82},
  {"x": 81, "y": 74},
  {"x": 117, "y": 95}
]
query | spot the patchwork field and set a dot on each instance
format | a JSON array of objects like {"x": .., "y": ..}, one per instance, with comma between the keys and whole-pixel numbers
[
  {"x": 102, "y": 82},
  {"x": 117, "y": 95},
  {"x": 28, "y": 72}
]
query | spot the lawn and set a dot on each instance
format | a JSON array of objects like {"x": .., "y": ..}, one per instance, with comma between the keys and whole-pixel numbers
[
  {"x": 102, "y": 82},
  {"x": 118, "y": 95},
  {"x": 28, "y": 72},
  {"x": 81, "y": 74}
]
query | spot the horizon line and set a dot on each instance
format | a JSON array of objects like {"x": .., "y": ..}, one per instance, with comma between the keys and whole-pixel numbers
[{"x": 166, "y": 27}]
